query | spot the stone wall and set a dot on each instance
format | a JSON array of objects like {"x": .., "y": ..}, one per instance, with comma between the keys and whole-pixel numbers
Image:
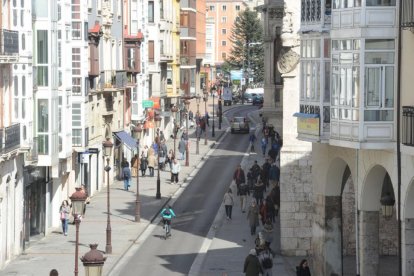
[
  {"x": 348, "y": 219},
  {"x": 388, "y": 235}
]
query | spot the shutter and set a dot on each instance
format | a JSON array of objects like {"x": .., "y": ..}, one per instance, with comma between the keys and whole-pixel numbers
[{"x": 151, "y": 51}]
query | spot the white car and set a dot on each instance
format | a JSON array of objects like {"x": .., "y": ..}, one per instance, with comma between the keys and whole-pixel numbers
[{"x": 240, "y": 124}]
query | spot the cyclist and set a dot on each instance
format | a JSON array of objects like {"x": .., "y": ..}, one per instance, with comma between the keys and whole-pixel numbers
[{"x": 167, "y": 214}]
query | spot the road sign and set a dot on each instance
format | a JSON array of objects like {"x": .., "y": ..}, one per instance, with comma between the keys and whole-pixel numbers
[
  {"x": 243, "y": 81},
  {"x": 147, "y": 103}
]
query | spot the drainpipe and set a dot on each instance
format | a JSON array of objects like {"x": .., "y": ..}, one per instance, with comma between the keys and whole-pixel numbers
[
  {"x": 399, "y": 141},
  {"x": 357, "y": 216}
]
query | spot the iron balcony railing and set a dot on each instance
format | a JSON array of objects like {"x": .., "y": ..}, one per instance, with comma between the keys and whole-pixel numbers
[
  {"x": 407, "y": 16},
  {"x": 10, "y": 138},
  {"x": 9, "y": 42},
  {"x": 407, "y": 137},
  {"x": 113, "y": 79}
]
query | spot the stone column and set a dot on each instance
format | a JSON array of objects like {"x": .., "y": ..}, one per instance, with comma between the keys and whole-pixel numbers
[
  {"x": 369, "y": 242},
  {"x": 326, "y": 242},
  {"x": 408, "y": 247}
]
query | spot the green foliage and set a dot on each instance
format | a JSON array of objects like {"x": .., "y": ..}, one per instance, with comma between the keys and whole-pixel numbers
[{"x": 247, "y": 45}]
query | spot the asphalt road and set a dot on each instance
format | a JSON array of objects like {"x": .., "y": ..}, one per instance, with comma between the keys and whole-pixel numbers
[{"x": 196, "y": 209}]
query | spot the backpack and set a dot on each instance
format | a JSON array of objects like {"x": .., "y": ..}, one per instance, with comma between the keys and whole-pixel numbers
[
  {"x": 166, "y": 212},
  {"x": 267, "y": 263}
]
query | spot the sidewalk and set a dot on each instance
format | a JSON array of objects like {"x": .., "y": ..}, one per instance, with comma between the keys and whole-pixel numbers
[
  {"x": 231, "y": 240},
  {"x": 58, "y": 251}
]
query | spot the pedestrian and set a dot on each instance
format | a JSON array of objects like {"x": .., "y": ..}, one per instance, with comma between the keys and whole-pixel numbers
[
  {"x": 127, "y": 177},
  {"x": 143, "y": 163},
  {"x": 253, "y": 217},
  {"x": 270, "y": 208},
  {"x": 190, "y": 115},
  {"x": 266, "y": 261},
  {"x": 181, "y": 148},
  {"x": 252, "y": 265},
  {"x": 267, "y": 233},
  {"x": 258, "y": 192},
  {"x": 152, "y": 162},
  {"x": 169, "y": 159},
  {"x": 228, "y": 203},
  {"x": 162, "y": 155},
  {"x": 53, "y": 272},
  {"x": 256, "y": 170},
  {"x": 134, "y": 165},
  {"x": 175, "y": 171},
  {"x": 264, "y": 175},
  {"x": 145, "y": 152},
  {"x": 303, "y": 269},
  {"x": 252, "y": 140},
  {"x": 238, "y": 176},
  {"x": 207, "y": 118},
  {"x": 264, "y": 145},
  {"x": 162, "y": 136},
  {"x": 274, "y": 175},
  {"x": 87, "y": 200},
  {"x": 275, "y": 197},
  {"x": 243, "y": 191},
  {"x": 64, "y": 216}
]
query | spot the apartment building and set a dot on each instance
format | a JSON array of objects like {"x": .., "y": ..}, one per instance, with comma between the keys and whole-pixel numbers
[{"x": 353, "y": 107}]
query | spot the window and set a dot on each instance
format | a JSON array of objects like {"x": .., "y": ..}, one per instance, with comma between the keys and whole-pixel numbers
[
  {"x": 23, "y": 42},
  {"x": 22, "y": 18},
  {"x": 223, "y": 55},
  {"x": 43, "y": 126},
  {"x": 15, "y": 18},
  {"x": 169, "y": 75},
  {"x": 311, "y": 10},
  {"x": 237, "y": 7},
  {"x": 224, "y": 19},
  {"x": 76, "y": 72},
  {"x": 380, "y": 3},
  {"x": 40, "y": 10},
  {"x": 76, "y": 125},
  {"x": 151, "y": 11},
  {"x": 131, "y": 58},
  {"x": 208, "y": 44},
  {"x": 151, "y": 50},
  {"x": 76, "y": 22},
  {"x": 224, "y": 8},
  {"x": 162, "y": 9},
  {"x": 211, "y": 8},
  {"x": 42, "y": 58},
  {"x": 379, "y": 79},
  {"x": 223, "y": 43},
  {"x": 162, "y": 47},
  {"x": 16, "y": 97},
  {"x": 223, "y": 31}
]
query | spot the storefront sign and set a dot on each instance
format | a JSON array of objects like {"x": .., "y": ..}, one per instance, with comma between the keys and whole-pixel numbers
[
  {"x": 147, "y": 104},
  {"x": 308, "y": 126}
]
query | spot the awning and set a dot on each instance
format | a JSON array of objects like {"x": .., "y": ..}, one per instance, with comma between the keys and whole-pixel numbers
[
  {"x": 305, "y": 115},
  {"x": 126, "y": 139}
]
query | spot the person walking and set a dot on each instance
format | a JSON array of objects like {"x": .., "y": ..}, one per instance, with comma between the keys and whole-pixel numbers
[
  {"x": 253, "y": 217},
  {"x": 266, "y": 261},
  {"x": 175, "y": 170},
  {"x": 170, "y": 157},
  {"x": 162, "y": 154},
  {"x": 275, "y": 196},
  {"x": 238, "y": 176},
  {"x": 252, "y": 140},
  {"x": 256, "y": 171},
  {"x": 228, "y": 203},
  {"x": 267, "y": 233},
  {"x": 258, "y": 192},
  {"x": 243, "y": 191},
  {"x": 152, "y": 162},
  {"x": 143, "y": 163},
  {"x": 252, "y": 265},
  {"x": 264, "y": 145},
  {"x": 181, "y": 148},
  {"x": 303, "y": 269},
  {"x": 126, "y": 172},
  {"x": 64, "y": 216},
  {"x": 134, "y": 165}
]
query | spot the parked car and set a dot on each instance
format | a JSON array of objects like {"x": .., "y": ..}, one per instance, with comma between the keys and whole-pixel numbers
[
  {"x": 248, "y": 98},
  {"x": 240, "y": 124},
  {"x": 258, "y": 100}
]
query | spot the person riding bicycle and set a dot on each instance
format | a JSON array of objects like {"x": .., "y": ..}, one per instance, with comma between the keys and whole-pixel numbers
[{"x": 167, "y": 214}]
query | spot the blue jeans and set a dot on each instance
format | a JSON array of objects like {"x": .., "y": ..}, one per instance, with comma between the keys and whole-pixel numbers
[
  {"x": 126, "y": 184},
  {"x": 64, "y": 226}
]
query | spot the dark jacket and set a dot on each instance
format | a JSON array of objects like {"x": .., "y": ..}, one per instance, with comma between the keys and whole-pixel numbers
[
  {"x": 243, "y": 190},
  {"x": 239, "y": 177},
  {"x": 274, "y": 173},
  {"x": 181, "y": 146},
  {"x": 252, "y": 266},
  {"x": 300, "y": 271}
]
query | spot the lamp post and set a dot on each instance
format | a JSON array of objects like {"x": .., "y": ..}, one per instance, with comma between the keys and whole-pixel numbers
[
  {"x": 198, "y": 126},
  {"x": 187, "y": 155},
  {"x": 213, "y": 133},
  {"x": 220, "y": 106},
  {"x": 174, "y": 111},
  {"x": 137, "y": 135},
  {"x": 205, "y": 98},
  {"x": 157, "y": 120},
  {"x": 78, "y": 199},
  {"x": 93, "y": 261},
  {"x": 107, "y": 149}
]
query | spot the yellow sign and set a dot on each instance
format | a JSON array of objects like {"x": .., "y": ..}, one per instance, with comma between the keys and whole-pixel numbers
[{"x": 308, "y": 126}]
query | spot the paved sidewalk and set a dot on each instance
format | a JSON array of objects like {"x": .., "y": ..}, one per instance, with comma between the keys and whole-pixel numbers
[
  {"x": 58, "y": 251},
  {"x": 230, "y": 240}
]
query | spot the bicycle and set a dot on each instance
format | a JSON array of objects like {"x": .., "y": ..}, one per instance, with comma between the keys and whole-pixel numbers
[{"x": 167, "y": 228}]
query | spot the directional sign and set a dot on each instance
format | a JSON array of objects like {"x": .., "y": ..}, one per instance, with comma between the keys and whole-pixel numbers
[{"x": 147, "y": 104}]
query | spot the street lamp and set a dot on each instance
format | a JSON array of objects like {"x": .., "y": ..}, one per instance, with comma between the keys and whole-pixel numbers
[
  {"x": 78, "y": 199},
  {"x": 93, "y": 261},
  {"x": 187, "y": 155},
  {"x": 198, "y": 126},
  {"x": 213, "y": 133},
  {"x": 387, "y": 205},
  {"x": 174, "y": 111},
  {"x": 205, "y": 98},
  {"x": 157, "y": 120},
  {"x": 107, "y": 150},
  {"x": 137, "y": 135}
]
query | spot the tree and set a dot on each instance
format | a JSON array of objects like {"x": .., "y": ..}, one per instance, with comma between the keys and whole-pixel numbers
[{"x": 247, "y": 46}]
